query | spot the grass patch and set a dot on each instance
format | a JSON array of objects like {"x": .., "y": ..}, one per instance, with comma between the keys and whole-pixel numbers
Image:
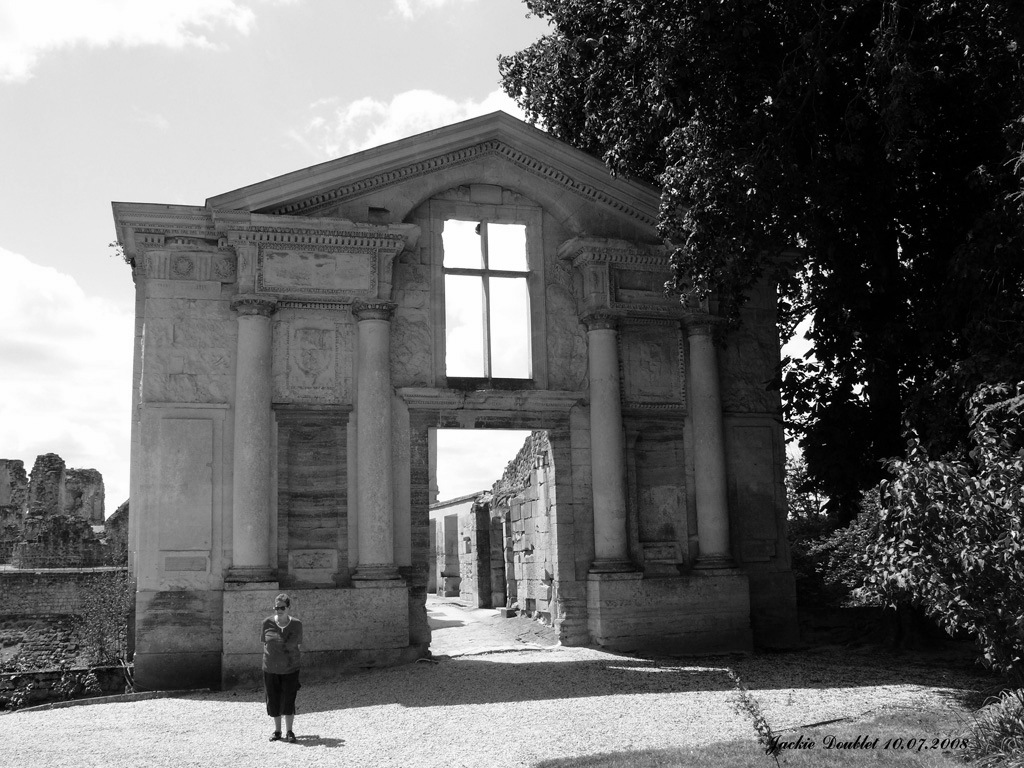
[{"x": 928, "y": 728}]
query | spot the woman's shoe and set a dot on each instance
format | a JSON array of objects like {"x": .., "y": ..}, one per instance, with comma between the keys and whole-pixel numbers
[
  {"x": 291, "y": 738},
  {"x": 276, "y": 736}
]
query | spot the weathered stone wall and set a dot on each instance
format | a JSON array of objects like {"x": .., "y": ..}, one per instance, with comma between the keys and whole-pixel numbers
[
  {"x": 56, "y": 591},
  {"x": 524, "y": 501},
  {"x": 116, "y": 534},
  {"x": 475, "y": 555},
  {"x": 46, "y": 495},
  {"x": 49, "y": 607},
  {"x": 84, "y": 495},
  {"x": 13, "y": 486},
  {"x": 13, "y": 505}
]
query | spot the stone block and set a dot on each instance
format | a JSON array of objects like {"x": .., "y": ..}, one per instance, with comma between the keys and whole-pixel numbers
[
  {"x": 178, "y": 630},
  {"x": 699, "y": 613}
]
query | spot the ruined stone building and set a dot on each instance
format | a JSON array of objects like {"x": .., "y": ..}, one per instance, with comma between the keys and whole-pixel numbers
[
  {"x": 299, "y": 340},
  {"x": 28, "y": 502}
]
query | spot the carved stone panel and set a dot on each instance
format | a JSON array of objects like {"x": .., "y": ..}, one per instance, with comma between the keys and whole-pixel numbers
[
  {"x": 749, "y": 362},
  {"x": 652, "y": 365},
  {"x": 309, "y": 361},
  {"x": 308, "y": 271},
  {"x": 643, "y": 289}
]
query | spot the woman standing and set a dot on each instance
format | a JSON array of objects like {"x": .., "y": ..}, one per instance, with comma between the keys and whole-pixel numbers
[{"x": 281, "y": 636}]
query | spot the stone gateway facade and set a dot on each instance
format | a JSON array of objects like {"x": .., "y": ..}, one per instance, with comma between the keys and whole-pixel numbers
[{"x": 299, "y": 341}]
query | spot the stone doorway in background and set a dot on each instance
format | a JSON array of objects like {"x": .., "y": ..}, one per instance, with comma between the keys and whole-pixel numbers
[{"x": 494, "y": 548}]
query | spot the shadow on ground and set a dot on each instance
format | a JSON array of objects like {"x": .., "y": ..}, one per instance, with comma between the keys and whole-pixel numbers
[
  {"x": 538, "y": 675},
  {"x": 319, "y": 741}
]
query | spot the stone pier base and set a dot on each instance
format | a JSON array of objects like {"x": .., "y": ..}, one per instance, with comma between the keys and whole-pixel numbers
[
  {"x": 701, "y": 612},
  {"x": 343, "y": 628}
]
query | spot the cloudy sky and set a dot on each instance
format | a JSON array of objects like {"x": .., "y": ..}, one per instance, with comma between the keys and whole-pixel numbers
[{"x": 175, "y": 101}]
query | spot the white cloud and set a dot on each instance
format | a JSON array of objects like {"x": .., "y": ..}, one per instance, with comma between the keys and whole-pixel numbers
[
  {"x": 152, "y": 119},
  {"x": 341, "y": 129},
  {"x": 410, "y": 9},
  {"x": 471, "y": 460},
  {"x": 32, "y": 28},
  {"x": 67, "y": 372}
]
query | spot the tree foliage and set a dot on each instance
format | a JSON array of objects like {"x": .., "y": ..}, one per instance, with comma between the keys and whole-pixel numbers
[
  {"x": 869, "y": 147},
  {"x": 949, "y": 535}
]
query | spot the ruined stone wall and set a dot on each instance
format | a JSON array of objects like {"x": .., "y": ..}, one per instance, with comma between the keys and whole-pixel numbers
[
  {"x": 13, "y": 486},
  {"x": 46, "y": 494},
  {"x": 84, "y": 495},
  {"x": 524, "y": 502},
  {"x": 13, "y": 504},
  {"x": 116, "y": 527},
  {"x": 27, "y": 504}
]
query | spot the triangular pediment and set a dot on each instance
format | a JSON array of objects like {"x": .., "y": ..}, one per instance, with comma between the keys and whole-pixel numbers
[{"x": 496, "y": 141}]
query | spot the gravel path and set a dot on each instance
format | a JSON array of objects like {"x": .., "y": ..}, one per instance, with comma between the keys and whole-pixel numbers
[{"x": 500, "y": 694}]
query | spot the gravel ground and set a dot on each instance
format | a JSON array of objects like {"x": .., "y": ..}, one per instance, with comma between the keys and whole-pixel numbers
[{"x": 499, "y": 694}]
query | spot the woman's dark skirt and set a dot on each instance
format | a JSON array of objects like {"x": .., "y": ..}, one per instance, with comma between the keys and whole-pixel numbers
[{"x": 281, "y": 690}]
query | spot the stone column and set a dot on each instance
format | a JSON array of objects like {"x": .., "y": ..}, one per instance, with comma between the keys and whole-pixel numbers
[
  {"x": 607, "y": 447},
  {"x": 709, "y": 446},
  {"x": 250, "y": 528},
  {"x": 374, "y": 460}
]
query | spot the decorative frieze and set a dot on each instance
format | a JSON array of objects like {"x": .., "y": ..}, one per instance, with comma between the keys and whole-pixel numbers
[{"x": 189, "y": 265}]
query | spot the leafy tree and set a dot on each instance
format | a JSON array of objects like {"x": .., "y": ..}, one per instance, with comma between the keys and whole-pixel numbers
[
  {"x": 867, "y": 146},
  {"x": 950, "y": 534},
  {"x": 804, "y": 501}
]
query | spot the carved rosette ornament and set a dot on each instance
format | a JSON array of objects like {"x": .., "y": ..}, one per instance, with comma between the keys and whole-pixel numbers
[
  {"x": 373, "y": 310},
  {"x": 250, "y": 304}
]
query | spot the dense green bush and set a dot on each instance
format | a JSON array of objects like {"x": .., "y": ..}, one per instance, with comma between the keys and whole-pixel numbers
[{"x": 948, "y": 536}]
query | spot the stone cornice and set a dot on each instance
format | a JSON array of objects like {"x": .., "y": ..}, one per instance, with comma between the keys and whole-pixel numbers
[
  {"x": 494, "y": 147},
  {"x": 496, "y": 135},
  {"x": 144, "y": 226},
  {"x": 580, "y": 251},
  {"x": 244, "y": 227}
]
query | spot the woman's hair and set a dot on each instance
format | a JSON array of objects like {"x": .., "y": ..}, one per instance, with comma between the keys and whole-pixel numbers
[{"x": 283, "y": 598}]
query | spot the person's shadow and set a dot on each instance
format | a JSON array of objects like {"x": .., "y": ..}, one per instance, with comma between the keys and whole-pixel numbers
[{"x": 316, "y": 740}]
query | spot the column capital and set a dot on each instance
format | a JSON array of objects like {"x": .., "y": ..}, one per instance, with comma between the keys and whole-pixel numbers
[
  {"x": 601, "y": 320},
  {"x": 373, "y": 310},
  {"x": 701, "y": 323},
  {"x": 252, "y": 304}
]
